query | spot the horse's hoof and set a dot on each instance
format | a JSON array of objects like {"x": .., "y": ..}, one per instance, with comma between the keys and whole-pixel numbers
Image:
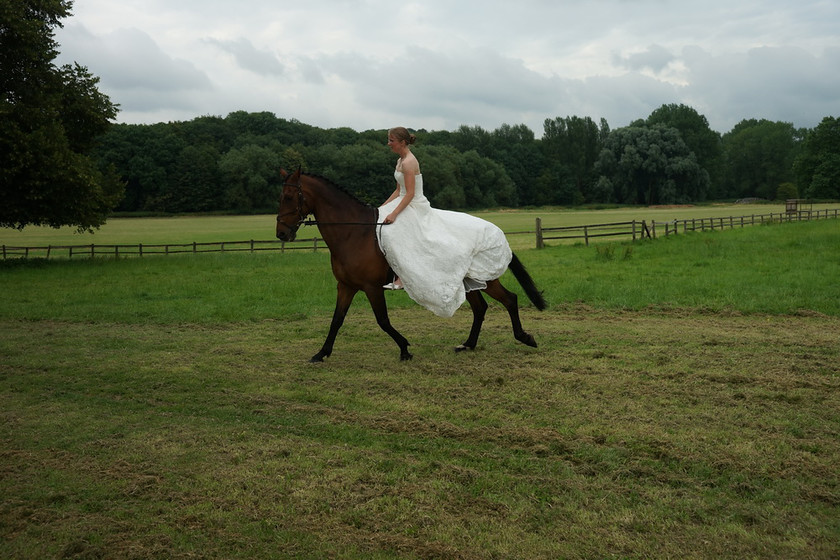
[
  {"x": 317, "y": 358},
  {"x": 527, "y": 340},
  {"x": 462, "y": 347},
  {"x": 405, "y": 356}
]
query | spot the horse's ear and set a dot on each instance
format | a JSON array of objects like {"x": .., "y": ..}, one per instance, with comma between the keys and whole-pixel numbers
[{"x": 283, "y": 173}]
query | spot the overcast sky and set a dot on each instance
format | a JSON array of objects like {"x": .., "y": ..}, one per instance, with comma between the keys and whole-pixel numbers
[{"x": 438, "y": 64}]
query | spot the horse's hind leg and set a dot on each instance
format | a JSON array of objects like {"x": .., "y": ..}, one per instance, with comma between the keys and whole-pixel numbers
[
  {"x": 479, "y": 309},
  {"x": 376, "y": 297},
  {"x": 510, "y": 301}
]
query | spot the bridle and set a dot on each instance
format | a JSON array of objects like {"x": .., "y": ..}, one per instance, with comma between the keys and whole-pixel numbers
[{"x": 301, "y": 200}]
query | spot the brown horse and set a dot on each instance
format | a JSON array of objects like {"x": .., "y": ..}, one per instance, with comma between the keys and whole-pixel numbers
[{"x": 349, "y": 229}]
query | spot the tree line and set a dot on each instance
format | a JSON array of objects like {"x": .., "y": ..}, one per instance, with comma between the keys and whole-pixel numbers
[
  {"x": 231, "y": 163},
  {"x": 63, "y": 161}
]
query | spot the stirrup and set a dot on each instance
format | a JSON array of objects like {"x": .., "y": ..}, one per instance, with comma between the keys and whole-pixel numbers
[{"x": 393, "y": 286}]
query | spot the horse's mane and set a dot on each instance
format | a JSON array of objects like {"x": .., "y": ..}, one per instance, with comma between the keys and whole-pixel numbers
[{"x": 336, "y": 186}]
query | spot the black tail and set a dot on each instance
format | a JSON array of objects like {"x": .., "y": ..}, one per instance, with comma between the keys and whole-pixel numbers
[{"x": 527, "y": 283}]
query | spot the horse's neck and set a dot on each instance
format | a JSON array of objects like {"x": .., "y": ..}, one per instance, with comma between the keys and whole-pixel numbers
[
  {"x": 341, "y": 218},
  {"x": 333, "y": 205}
]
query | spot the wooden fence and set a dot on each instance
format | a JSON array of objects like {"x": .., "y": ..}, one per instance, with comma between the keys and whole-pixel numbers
[
  {"x": 633, "y": 230},
  {"x": 712, "y": 224},
  {"x": 142, "y": 249},
  {"x": 640, "y": 230}
]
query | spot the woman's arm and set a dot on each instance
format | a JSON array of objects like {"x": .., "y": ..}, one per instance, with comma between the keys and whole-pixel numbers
[
  {"x": 394, "y": 195},
  {"x": 410, "y": 168},
  {"x": 406, "y": 200}
]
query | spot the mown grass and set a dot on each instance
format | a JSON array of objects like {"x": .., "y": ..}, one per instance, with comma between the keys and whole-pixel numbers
[{"x": 163, "y": 407}]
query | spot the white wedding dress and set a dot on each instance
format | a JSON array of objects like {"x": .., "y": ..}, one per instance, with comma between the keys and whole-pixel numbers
[{"x": 439, "y": 255}]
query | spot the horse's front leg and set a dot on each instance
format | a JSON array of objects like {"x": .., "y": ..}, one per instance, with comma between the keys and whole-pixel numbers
[
  {"x": 343, "y": 300},
  {"x": 376, "y": 297},
  {"x": 479, "y": 309}
]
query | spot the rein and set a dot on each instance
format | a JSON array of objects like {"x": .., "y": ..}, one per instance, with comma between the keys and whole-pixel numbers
[{"x": 317, "y": 223}]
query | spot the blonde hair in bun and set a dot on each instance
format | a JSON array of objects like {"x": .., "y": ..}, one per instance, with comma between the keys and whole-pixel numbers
[{"x": 402, "y": 133}]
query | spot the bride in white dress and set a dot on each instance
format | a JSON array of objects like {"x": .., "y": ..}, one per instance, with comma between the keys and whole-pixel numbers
[{"x": 438, "y": 255}]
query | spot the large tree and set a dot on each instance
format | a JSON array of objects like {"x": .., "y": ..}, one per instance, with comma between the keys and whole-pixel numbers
[
  {"x": 698, "y": 137},
  {"x": 571, "y": 147},
  {"x": 759, "y": 156},
  {"x": 649, "y": 165},
  {"x": 818, "y": 166},
  {"x": 50, "y": 118}
]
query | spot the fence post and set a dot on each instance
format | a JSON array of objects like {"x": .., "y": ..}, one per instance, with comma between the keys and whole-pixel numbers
[
  {"x": 586, "y": 235},
  {"x": 539, "y": 234}
]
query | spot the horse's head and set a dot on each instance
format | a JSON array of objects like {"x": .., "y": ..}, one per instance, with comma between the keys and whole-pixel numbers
[{"x": 293, "y": 208}]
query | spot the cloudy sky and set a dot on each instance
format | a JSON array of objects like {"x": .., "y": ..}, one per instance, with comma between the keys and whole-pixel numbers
[{"x": 438, "y": 64}]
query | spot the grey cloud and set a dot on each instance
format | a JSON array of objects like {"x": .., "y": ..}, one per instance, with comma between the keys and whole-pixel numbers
[
  {"x": 655, "y": 58},
  {"x": 778, "y": 83},
  {"x": 129, "y": 59},
  {"x": 135, "y": 73},
  {"x": 250, "y": 58},
  {"x": 464, "y": 87}
]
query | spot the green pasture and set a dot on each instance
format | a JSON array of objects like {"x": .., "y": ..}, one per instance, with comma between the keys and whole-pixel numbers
[
  {"x": 207, "y": 229},
  {"x": 684, "y": 402}
]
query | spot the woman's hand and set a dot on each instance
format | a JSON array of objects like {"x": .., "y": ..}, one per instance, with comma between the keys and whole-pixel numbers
[{"x": 390, "y": 218}]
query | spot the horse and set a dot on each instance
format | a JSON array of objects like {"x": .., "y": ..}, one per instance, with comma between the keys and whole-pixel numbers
[{"x": 348, "y": 227}]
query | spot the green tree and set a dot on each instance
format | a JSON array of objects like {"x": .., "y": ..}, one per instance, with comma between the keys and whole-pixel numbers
[
  {"x": 197, "y": 186},
  {"x": 649, "y": 165},
  {"x": 50, "y": 119},
  {"x": 697, "y": 135},
  {"x": 758, "y": 157},
  {"x": 250, "y": 176},
  {"x": 440, "y": 166},
  {"x": 571, "y": 146},
  {"x": 818, "y": 165},
  {"x": 516, "y": 149}
]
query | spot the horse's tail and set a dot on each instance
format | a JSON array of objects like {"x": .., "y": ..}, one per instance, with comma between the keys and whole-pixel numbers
[{"x": 527, "y": 283}]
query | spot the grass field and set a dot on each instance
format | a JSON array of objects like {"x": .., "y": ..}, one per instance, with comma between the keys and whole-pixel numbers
[
  {"x": 199, "y": 229},
  {"x": 684, "y": 403}
]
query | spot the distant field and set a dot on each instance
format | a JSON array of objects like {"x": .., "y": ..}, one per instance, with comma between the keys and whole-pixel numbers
[{"x": 202, "y": 229}]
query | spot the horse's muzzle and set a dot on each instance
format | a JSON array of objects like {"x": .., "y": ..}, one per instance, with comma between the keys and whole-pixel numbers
[
  {"x": 286, "y": 235},
  {"x": 285, "y": 232}
]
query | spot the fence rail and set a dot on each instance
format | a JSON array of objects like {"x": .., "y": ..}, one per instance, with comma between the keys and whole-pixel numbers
[
  {"x": 640, "y": 230},
  {"x": 633, "y": 230},
  {"x": 144, "y": 249},
  {"x": 731, "y": 222}
]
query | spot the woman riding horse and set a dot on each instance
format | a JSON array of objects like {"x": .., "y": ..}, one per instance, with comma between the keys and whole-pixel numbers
[{"x": 349, "y": 229}]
